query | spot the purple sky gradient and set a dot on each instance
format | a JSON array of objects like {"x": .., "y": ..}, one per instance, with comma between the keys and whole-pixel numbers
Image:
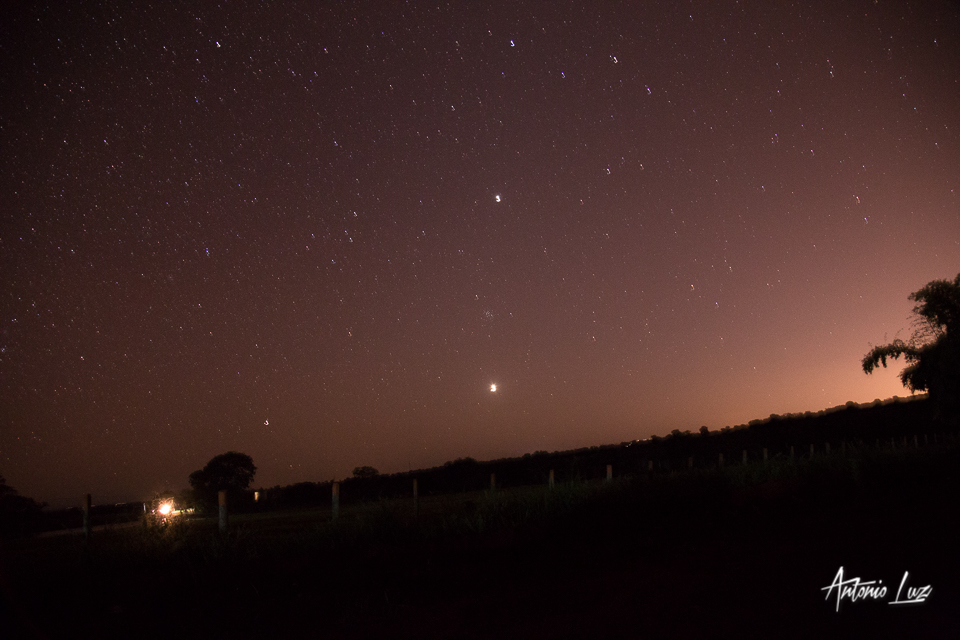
[{"x": 318, "y": 235}]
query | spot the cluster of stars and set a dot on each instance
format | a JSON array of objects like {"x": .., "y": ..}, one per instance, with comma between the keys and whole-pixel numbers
[{"x": 349, "y": 218}]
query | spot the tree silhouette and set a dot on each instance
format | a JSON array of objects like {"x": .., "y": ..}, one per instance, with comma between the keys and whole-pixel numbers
[
  {"x": 933, "y": 352},
  {"x": 231, "y": 472},
  {"x": 365, "y": 472},
  {"x": 19, "y": 515}
]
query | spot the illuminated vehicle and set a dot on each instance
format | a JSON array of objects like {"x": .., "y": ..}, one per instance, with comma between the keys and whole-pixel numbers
[{"x": 165, "y": 508}]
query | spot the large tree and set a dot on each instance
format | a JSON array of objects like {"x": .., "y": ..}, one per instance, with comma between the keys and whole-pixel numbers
[
  {"x": 231, "y": 472},
  {"x": 932, "y": 353}
]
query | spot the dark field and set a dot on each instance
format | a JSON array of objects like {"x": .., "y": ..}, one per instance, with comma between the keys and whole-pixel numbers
[{"x": 739, "y": 552}]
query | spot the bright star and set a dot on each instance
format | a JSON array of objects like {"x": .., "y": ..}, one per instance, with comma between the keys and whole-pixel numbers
[{"x": 493, "y": 388}]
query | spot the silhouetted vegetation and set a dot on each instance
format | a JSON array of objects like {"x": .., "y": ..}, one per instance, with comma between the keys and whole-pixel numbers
[
  {"x": 672, "y": 507},
  {"x": 231, "y": 472},
  {"x": 851, "y": 423},
  {"x": 932, "y": 353},
  {"x": 503, "y": 562},
  {"x": 20, "y": 516}
]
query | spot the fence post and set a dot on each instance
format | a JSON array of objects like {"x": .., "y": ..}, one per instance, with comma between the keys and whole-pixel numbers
[
  {"x": 86, "y": 516},
  {"x": 690, "y": 462},
  {"x": 493, "y": 482},
  {"x": 335, "y": 497},
  {"x": 609, "y": 472},
  {"x": 550, "y": 480},
  {"x": 764, "y": 455},
  {"x": 416, "y": 500},
  {"x": 744, "y": 456},
  {"x": 720, "y": 460},
  {"x": 222, "y": 502}
]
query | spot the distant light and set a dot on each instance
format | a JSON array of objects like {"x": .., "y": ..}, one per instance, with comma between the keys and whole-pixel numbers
[
  {"x": 497, "y": 197},
  {"x": 493, "y": 388},
  {"x": 165, "y": 508},
  {"x": 256, "y": 496}
]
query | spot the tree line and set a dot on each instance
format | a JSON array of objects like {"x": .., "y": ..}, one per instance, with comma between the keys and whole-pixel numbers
[
  {"x": 851, "y": 423},
  {"x": 931, "y": 354}
]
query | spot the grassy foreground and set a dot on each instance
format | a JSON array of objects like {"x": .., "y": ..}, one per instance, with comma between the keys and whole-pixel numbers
[{"x": 742, "y": 551}]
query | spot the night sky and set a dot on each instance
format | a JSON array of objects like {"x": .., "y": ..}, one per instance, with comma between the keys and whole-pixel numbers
[{"x": 319, "y": 234}]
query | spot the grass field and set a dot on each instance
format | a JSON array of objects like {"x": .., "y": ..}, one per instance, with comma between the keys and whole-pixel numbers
[{"x": 742, "y": 551}]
